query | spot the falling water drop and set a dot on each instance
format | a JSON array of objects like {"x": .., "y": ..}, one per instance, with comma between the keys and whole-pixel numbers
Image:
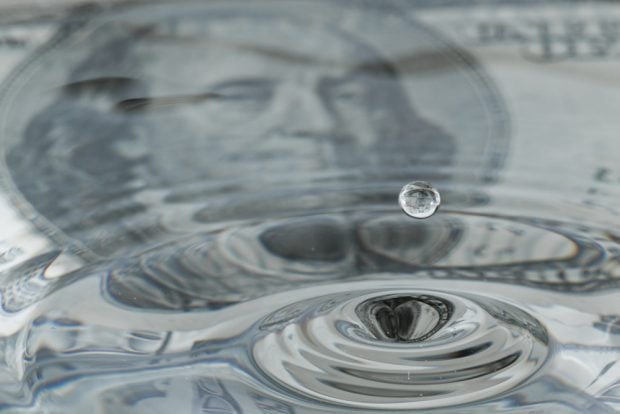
[{"x": 419, "y": 199}]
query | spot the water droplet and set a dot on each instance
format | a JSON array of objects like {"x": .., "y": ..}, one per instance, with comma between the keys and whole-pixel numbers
[{"x": 419, "y": 199}]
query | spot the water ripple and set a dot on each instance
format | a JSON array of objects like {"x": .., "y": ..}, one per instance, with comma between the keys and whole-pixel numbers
[{"x": 394, "y": 349}]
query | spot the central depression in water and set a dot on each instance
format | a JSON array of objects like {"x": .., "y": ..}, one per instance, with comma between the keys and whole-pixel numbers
[{"x": 399, "y": 348}]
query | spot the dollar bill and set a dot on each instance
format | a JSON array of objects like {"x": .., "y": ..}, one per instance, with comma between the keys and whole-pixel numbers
[
  {"x": 544, "y": 76},
  {"x": 174, "y": 149}
]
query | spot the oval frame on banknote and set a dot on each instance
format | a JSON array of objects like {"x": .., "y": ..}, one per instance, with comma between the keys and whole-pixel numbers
[{"x": 448, "y": 85}]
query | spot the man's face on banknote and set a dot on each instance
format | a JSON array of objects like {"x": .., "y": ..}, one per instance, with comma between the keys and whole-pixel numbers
[
  {"x": 257, "y": 106},
  {"x": 247, "y": 100},
  {"x": 156, "y": 109}
]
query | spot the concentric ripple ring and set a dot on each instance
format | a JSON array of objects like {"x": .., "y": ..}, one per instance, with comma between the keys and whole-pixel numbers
[{"x": 393, "y": 349}]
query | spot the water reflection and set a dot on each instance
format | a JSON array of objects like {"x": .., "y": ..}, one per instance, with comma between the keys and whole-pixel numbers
[{"x": 228, "y": 173}]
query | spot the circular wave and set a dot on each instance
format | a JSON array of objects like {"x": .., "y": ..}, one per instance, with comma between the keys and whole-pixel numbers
[{"x": 395, "y": 349}]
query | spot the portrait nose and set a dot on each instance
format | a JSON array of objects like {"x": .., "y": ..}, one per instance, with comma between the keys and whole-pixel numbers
[{"x": 307, "y": 114}]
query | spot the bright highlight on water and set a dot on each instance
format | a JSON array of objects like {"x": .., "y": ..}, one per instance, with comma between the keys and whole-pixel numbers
[{"x": 419, "y": 199}]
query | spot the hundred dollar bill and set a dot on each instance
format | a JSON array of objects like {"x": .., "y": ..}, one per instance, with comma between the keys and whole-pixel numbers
[
  {"x": 517, "y": 89},
  {"x": 186, "y": 156}
]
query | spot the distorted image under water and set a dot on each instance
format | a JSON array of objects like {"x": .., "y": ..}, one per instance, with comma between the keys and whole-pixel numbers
[{"x": 228, "y": 175}]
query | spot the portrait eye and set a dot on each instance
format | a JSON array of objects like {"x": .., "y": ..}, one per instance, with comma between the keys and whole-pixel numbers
[
  {"x": 240, "y": 100},
  {"x": 251, "y": 90},
  {"x": 155, "y": 103}
]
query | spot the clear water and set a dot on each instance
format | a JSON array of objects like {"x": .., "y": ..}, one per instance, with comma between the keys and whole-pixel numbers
[{"x": 218, "y": 196}]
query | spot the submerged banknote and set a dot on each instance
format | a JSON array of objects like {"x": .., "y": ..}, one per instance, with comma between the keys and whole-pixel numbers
[
  {"x": 164, "y": 158},
  {"x": 123, "y": 129}
]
